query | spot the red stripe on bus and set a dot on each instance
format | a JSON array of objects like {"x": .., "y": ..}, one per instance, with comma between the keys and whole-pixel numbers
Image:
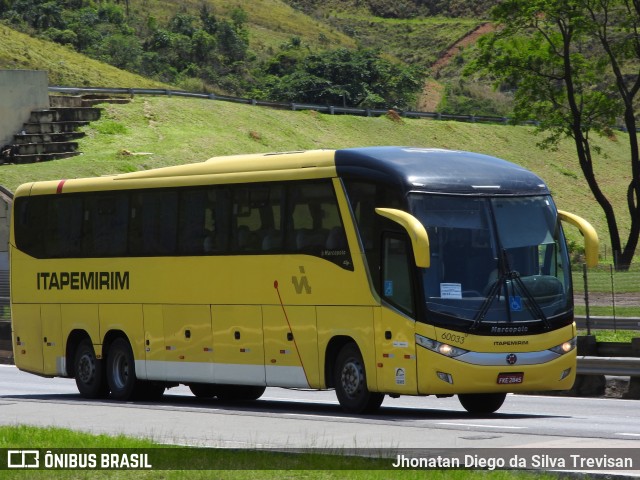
[{"x": 60, "y": 185}]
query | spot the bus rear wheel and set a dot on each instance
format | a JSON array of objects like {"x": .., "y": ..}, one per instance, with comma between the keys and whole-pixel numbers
[
  {"x": 121, "y": 370},
  {"x": 89, "y": 374},
  {"x": 350, "y": 381},
  {"x": 482, "y": 403}
]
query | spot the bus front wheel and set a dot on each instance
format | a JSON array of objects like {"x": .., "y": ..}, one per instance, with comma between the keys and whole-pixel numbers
[
  {"x": 350, "y": 381},
  {"x": 121, "y": 370},
  {"x": 88, "y": 370},
  {"x": 482, "y": 403}
]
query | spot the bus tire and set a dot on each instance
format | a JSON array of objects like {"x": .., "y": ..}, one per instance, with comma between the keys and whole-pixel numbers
[
  {"x": 89, "y": 372},
  {"x": 121, "y": 370},
  {"x": 203, "y": 390},
  {"x": 482, "y": 403},
  {"x": 238, "y": 392},
  {"x": 350, "y": 381}
]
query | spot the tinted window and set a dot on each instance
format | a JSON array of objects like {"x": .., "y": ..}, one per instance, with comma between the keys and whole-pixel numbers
[
  {"x": 315, "y": 225},
  {"x": 64, "y": 227},
  {"x": 257, "y": 218},
  {"x": 153, "y": 223},
  {"x": 225, "y": 220}
]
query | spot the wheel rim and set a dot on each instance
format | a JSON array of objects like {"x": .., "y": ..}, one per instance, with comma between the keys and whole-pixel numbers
[
  {"x": 120, "y": 370},
  {"x": 351, "y": 378},
  {"x": 86, "y": 368}
]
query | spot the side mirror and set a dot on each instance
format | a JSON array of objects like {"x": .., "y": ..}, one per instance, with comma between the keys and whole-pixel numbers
[
  {"x": 591, "y": 242},
  {"x": 415, "y": 229}
]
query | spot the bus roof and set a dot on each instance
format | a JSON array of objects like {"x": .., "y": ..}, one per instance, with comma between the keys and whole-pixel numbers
[
  {"x": 438, "y": 170},
  {"x": 407, "y": 168}
]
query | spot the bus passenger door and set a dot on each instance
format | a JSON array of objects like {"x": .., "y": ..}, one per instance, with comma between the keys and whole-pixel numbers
[
  {"x": 395, "y": 327},
  {"x": 188, "y": 343},
  {"x": 238, "y": 345},
  {"x": 291, "y": 346},
  {"x": 53, "y": 353}
]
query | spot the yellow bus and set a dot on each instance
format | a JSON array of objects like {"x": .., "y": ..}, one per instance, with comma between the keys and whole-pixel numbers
[{"x": 372, "y": 271}]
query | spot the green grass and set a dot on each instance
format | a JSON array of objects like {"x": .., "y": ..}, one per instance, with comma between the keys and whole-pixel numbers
[
  {"x": 607, "y": 311},
  {"x": 307, "y": 466},
  {"x": 603, "y": 278},
  {"x": 612, "y": 335}
]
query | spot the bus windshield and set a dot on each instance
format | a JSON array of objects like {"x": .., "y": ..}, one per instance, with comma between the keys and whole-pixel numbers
[{"x": 494, "y": 260}]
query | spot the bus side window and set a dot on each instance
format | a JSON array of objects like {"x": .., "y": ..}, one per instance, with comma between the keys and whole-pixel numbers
[
  {"x": 257, "y": 218},
  {"x": 272, "y": 218},
  {"x": 64, "y": 227},
  {"x": 310, "y": 216},
  {"x": 397, "y": 287},
  {"x": 106, "y": 221},
  {"x": 191, "y": 231},
  {"x": 29, "y": 217},
  {"x": 154, "y": 222}
]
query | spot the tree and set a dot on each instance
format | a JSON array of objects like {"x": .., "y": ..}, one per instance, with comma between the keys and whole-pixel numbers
[
  {"x": 575, "y": 65},
  {"x": 341, "y": 77}
]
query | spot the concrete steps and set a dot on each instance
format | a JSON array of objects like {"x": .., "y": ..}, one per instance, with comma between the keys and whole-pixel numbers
[
  {"x": 87, "y": 100},
  {"x": 49, "y": 134}
]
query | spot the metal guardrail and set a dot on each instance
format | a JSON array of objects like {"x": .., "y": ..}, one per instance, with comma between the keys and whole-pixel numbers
[
  {"x": 609, "y": 323},
  {"x": 330, "y": 109},
  {"x": 615, "y": 366}
]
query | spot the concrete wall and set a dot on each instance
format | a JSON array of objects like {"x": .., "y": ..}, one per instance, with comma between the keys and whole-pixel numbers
[{"x": 21, "y": 91}]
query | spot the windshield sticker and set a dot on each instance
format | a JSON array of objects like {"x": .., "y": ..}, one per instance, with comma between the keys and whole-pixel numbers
[
  {"x": 516, "y": 303},
  {"x": 388, "y": 288},
  {"x": 451, "y": 290}
]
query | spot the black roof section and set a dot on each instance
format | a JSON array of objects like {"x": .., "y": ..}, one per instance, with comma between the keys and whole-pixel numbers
[{"x": 437, "y": 170}]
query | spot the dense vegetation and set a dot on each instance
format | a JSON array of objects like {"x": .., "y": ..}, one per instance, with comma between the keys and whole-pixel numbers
[
  {"x": 196, "y": 49},
  {"x": 189, "y": 45},
  {"x": 401, "y": 8}
]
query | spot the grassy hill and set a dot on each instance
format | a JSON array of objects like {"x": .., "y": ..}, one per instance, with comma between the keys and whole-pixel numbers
[
  {"x": 271, "y": 23},
  {"x": 158, "y": 131},
  {"x": 19, "y": 51},
  {"x": 418, "y": 41},
  {"x": 270, "y": 26}
]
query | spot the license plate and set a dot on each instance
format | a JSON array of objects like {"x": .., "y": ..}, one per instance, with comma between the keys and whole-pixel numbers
[{"x": 510, "y": 378}]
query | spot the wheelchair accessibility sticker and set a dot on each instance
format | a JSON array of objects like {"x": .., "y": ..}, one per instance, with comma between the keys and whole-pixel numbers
[{"x": 516, "y": 303}]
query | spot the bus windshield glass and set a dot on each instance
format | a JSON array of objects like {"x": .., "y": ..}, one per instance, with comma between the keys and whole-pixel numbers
[{"x": 494, "y": 260}]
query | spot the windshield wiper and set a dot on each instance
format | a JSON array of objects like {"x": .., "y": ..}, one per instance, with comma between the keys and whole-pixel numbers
[
  {"x": 514, "y": 277},
  {"x": 493, "y": 293},
  {"x": 532, "y": 305}
]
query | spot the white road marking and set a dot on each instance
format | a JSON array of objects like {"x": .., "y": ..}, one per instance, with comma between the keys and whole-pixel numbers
[{"x": 480, "y": 426}]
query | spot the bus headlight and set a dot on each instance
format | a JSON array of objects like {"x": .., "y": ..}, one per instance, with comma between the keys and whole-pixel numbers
[
  {"x": 438, "y": 347},
  {"x": 565, "y": 347}
]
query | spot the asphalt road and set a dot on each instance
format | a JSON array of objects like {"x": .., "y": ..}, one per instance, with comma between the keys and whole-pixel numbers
[{"x": 309, "y": 419}]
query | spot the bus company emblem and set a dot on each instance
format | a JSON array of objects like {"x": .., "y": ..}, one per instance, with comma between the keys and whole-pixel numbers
[
  {"x": 512, "y": 359},
  {"x": 301, "y": 283}
]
